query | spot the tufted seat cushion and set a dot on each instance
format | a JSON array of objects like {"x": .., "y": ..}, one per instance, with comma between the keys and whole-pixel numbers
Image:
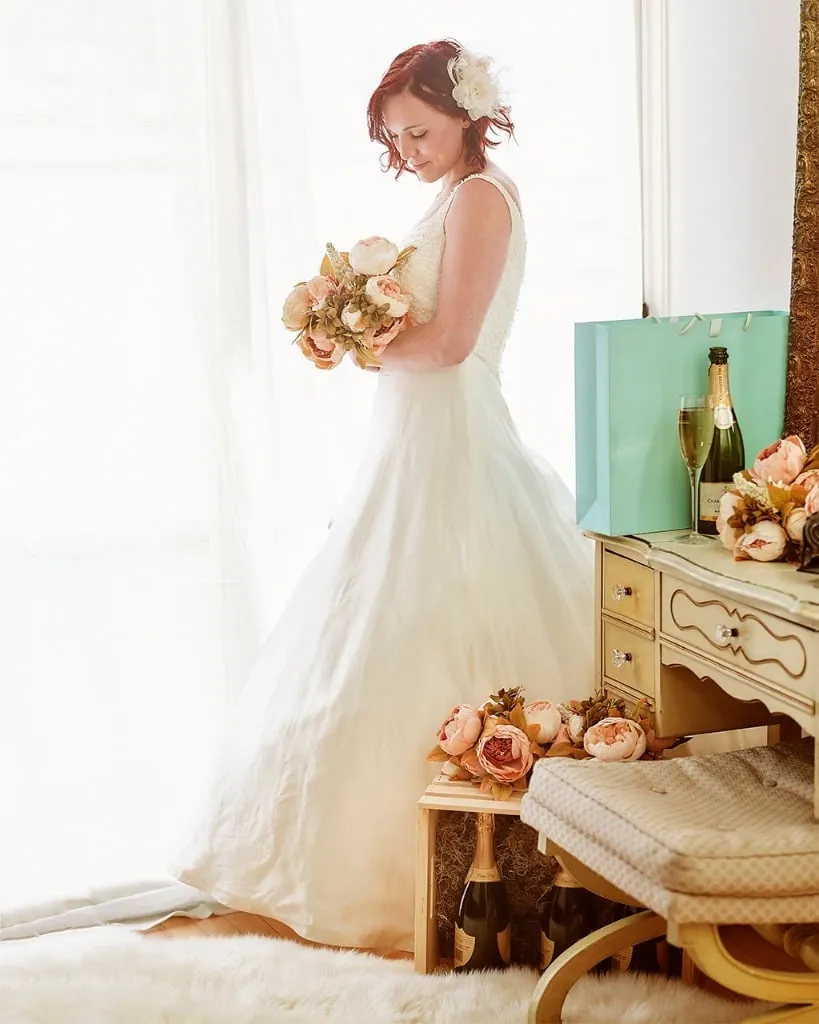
[{"x": 724, "y": 838}]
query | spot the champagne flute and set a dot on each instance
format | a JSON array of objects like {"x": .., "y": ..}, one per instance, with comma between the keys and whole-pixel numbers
[{"x": 695, "y": 428}]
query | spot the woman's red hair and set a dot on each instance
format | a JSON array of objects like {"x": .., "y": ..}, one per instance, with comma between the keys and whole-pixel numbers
[{"x": 422, "y": 70}]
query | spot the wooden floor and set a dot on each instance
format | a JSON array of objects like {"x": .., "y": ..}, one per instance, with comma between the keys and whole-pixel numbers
[{"x": 239, "y": 923}]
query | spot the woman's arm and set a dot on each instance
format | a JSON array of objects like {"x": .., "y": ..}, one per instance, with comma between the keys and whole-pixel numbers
[{"x": 478, "y": 226}]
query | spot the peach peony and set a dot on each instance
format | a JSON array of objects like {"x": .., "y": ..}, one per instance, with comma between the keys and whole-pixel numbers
[
  {"x": 460, "y": 730},
  {"x": 795, "y": 523},
  {"x": 378, "y": 341},
  {"x": 505, "y": 753},
  {"x": 729, "y": 504},
  {"x": 319, "y": 288},
  {"x": 545, "y": 715},
  {"x": 321, "y": 350},
  {"x": 373, "y": 256},
  {"x": 812, "y": 501},
  {"x": 296, "y": 308},
  {"x": 765, "y": 541},
  {"x": 352, "y": 318},
  {"x": 781, "y": 462},
  {"x": 615, "y": 739},
  {"x": 386, "y": 291},
  {"x": 808, "y": 480}
]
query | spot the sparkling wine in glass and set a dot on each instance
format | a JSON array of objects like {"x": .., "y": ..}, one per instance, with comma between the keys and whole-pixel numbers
[{"x": 695, "y": 428}]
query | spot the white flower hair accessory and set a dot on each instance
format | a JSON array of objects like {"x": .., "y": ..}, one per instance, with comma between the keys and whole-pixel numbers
[{"x": 475, "y": 87}]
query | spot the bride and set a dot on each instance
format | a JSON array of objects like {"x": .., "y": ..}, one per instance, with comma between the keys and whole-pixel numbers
[{"x": 453, "y": 568}]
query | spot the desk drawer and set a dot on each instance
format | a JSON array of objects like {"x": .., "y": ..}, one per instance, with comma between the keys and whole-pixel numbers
[
  {"x": 628, "y": 589},
  {"x": 628, "y": 658},
  {"x": 738, "y": 636}
]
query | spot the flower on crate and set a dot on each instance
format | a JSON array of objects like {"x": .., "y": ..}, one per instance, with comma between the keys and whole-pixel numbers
[
  {"x": 497, "y": 745},
  {"x": 762, "y": 517},
  {"x": 461, "y": 730},
  {"x": 354, "y": 305}
]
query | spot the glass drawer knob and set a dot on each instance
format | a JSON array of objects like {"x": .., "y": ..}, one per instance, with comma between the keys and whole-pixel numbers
[
  {"x": 723, "y": 633},
  {"x": 620, "y": 658},
  {"x": 619, "y": 592}
]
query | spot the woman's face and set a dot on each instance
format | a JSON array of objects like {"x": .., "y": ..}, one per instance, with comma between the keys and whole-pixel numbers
[{"x": 431, "y": 142}]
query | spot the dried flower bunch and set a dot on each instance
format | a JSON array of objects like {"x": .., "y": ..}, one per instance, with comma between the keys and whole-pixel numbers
[
  {"x": 496, "y": 746},
  {"x": 763, "y": 516},
  {"x": 354, "y": 305}
]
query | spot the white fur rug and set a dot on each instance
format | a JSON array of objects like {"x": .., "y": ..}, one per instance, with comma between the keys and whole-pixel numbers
[{"x": 111, "y": 976}]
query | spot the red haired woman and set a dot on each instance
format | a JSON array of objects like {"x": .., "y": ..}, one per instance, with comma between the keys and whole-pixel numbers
[{"x": 453, "y": 568}]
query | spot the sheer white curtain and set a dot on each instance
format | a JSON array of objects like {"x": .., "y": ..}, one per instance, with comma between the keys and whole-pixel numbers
[{"x": 169, "y": 462}]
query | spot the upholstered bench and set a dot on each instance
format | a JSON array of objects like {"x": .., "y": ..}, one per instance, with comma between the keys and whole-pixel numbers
[{"x": 704, "y": 842}]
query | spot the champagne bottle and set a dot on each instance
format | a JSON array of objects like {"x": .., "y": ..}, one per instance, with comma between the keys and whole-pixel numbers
[
  {"x": 483, "y": 936},
  {"x": 571, "y": 913},
  {"x": 727, "y": 455}
]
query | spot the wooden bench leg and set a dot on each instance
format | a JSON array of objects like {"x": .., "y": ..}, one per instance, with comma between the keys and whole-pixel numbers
[
  {"x": 546, "y": 1006},
  {"x": 426, "y": 924}
]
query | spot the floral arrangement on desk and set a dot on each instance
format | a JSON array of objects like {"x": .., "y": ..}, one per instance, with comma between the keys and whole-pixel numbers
[
  {"x": 496, "y": 746},
  {"x": 354, "y": 305},
  {"x": 763, "y": 516}
]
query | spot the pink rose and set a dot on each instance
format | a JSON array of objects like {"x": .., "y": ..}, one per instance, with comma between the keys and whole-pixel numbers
[
  {"x": 321, "y": 350},
  {"x": 460, "y": 730},
  {"x": 729, "y": 505},
  {"x": 386, "y": 291},
  {"x": 545, "y": 715},
  {"x": 615, "y": 739},
  {"x": 812, "y": 501},
  {"x": 296, "y": 308},
  {"x": 373, "y": 255},
  {"x": 764, "y": 542},
  {"x": 320, "y": 289},
  {"x": 505, "y": 753},
  {"x": 795, "y": 523},
  {"x": 781, "y": 462}
]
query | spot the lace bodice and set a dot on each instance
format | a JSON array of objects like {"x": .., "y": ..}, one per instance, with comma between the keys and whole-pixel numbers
[{"x": 420, "y": 273}]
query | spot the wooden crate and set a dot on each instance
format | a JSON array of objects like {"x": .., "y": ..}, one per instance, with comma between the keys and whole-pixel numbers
[{"x": 442, "y": 795}]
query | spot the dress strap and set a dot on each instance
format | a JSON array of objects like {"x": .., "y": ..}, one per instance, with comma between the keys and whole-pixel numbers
[{"x": 513, "y": 206}]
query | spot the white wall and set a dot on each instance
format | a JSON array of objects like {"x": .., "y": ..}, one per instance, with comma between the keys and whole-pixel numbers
[{"x": 732, "y": 107}]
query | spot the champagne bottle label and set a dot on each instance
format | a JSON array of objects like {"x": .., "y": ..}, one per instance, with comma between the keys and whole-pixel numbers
[
  {"x": 505, "y": 944},
  {"x": 710, "y": 495},
  {"x": 547, "y": 950},
  {"x": 464, "y": 946},
  {"x": 723, "y": 417},
  {"x": 622, "y": 958},
  {"x": 483, "y": 874}
]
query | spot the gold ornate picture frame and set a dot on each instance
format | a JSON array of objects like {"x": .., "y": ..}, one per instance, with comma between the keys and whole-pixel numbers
[{"x": 802, "y": 392}]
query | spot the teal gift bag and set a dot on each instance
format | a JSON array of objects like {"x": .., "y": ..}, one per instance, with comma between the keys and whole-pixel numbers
[{"x": 629, "y": 376}]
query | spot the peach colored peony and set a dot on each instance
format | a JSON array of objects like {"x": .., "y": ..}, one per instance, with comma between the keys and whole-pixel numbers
[
  {"x": 576, "y": 727},
  {"x": 320, "y": 288},
  {"x": 729, "y": 505},
  {"x": 352, "y": 318},
  {"x": 379, "y": 341},
  {"x": 505, "y": 754},
  {"x": 812, "y": 501},
  {"x": 615, "y": 739},
  {"x": 296, "y": 308},
  {"x": 323, "y": 351},
  {"x": 386, "y": 291},
  {"x": 460, "y": 730},
  {"x": 374, "y": 255},
  {"x": 764, "y": 542},
  {"x": 545, "y": 715},
  {"x": 781, "y": 462},
  {"x": 808, "y": 480},
  {"x": 795, "y": 523}
]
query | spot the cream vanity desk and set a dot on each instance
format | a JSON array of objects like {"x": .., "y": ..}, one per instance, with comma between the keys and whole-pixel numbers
[{"x": 710, "y": 643}]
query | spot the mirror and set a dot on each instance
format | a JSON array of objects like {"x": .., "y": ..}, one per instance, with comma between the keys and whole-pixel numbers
[{"x": 802, "y": 391}]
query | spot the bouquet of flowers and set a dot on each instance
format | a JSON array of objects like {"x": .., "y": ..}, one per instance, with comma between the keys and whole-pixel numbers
[
  {"x": 763, "y": 516},
  {"x": 354, "y": 305},
  {"x": 496, "y": 746}
]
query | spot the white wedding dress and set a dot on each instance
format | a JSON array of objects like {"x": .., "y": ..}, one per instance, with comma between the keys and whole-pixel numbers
[{"x": 453, "y": 568}]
